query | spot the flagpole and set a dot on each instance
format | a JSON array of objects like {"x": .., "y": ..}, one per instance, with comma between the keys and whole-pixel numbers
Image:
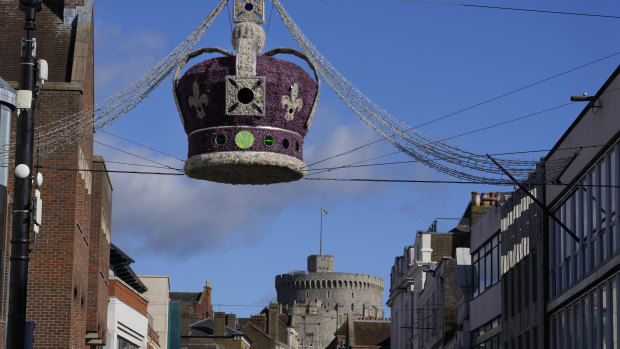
[{"x": 321, "y": 240}]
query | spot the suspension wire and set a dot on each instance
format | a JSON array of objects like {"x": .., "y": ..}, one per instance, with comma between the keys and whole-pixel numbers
[
  {"x": 517, "y": 9},
  {"x": 454, "y": 161},
  {"x": 455, "y": 136},
  {"x": 505, "y": 183},
  {"x": 357, "y": 164},
  {"x": 517, "y": 90},
  {"x": 507, "y": 121},
  {"x": 485, "y": 102},
  {"x": 108, "y": 171},
  {"x": 398, "y": 152},
  {"x": 138, "y": 156},
  {"x": 439, "y": 159},
  {"x": 345, "y": 153},
  {"x": 269, "y": 22},
  {"x": 142, "y": 145}
]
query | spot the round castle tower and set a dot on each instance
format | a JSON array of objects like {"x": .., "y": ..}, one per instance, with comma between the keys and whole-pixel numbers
[{"x": 320, "y": 300}]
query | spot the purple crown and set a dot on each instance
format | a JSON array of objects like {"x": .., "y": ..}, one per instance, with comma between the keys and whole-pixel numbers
[{"x": 246, "y": 116}]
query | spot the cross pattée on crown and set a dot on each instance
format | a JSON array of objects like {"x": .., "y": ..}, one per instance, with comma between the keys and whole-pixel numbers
[
  {"x": 245, "y": 92},
  {"x": 249, "y": 11}
]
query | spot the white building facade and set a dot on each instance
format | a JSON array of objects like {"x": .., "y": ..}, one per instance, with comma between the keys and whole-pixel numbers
[
  {"x": 158, "y": 294},
  {"x": 127, "y": 320}
]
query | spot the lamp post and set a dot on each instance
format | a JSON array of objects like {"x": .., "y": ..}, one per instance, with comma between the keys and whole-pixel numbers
[{"x": 22, "y": 188}]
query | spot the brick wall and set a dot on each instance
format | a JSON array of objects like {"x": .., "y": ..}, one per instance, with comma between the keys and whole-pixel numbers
[
  {"x": 99, "y": 259},
  {"x": 450, "y": 302},
  {"x": 127, "y": 295},
  {"x": 444, "y": 245},
  {"x": 58, "y": 288},
  {"x": 203, "y": 308}
]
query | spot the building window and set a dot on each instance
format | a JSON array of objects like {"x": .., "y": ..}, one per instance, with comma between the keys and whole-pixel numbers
[
  {"x": 590, "y": 211},
  {"x": 125, "y": 344},
  {"x": 486, "y": 265}
]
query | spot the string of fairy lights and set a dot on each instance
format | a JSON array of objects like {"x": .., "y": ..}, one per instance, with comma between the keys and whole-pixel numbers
[
  {"x": 73, "y": 128},
  {"x": 437, "y": 154},
  {"x": 433, "y": 153}
]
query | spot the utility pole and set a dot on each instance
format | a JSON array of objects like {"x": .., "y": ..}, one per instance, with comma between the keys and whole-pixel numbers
[{"x": 22, "y": 188}]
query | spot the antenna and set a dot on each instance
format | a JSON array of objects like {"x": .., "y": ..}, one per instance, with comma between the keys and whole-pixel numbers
[{"x": 323, "y": 212}]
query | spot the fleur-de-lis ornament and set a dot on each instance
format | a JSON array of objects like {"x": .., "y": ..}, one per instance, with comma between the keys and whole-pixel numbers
[
  {"x": 198, "y": 101},
  {"x": 292, "y": 103}
]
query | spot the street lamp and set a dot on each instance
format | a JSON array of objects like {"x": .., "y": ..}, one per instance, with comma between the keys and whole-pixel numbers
[{"x": 22, "y": 188}]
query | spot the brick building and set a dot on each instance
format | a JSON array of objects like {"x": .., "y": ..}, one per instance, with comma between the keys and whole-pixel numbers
[
  {"x": 128, "y": 320},
  {"x": 219, "y": 330},
  {"x": 270, "y": 329},
  {"x": 184, "y": 309},
  {"x": 439, "y": 260},
  {"x": 362, "y": 334},
  {"x": 68, "y": 270}
]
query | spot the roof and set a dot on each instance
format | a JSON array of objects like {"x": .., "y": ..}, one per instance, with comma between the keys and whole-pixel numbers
[
  {"x": 119, "y": 261},
  {"x": 185, "y": 296},
  {"x": 204, "y": 328},
  {"x": 7, "y": 94},
  {"x": 372, "y": 333}
]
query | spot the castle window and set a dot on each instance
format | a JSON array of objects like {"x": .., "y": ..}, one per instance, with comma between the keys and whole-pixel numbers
[
  {"x": 269, "y": 141},
  {"x": 352, "y": 307},
  {"x": 220, "y": 139},
  {"x": 285, "y": 143}
]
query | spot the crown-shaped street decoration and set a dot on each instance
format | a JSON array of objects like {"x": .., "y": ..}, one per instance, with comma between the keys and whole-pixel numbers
[{"x": 246, "y": 115}]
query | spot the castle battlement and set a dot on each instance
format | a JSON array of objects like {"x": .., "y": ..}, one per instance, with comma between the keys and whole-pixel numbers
[{"x": 320, "y": 300}]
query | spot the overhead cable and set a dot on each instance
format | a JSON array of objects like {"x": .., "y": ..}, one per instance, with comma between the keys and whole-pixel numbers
[{"x": 517, "y": 9}]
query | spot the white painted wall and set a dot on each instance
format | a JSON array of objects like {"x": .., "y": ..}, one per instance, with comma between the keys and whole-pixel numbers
[
  {"x": 159, "y": 298},
  {"x": 126, "y": 322}
]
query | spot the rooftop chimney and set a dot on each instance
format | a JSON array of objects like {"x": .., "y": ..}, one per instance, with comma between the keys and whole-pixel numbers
[
  {"x": 272, "y": 320},
  {"x": 231, "y": 321},
  {"x": 219, "y": 321}
]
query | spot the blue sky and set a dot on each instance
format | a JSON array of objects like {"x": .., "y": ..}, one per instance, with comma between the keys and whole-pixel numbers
[{"x": 418, "y": 61}]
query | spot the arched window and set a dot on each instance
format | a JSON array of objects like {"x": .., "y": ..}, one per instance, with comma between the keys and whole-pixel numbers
[
  {"x": 323, "y": 283},
  {"x": 329, "y": 285},
  {"x": 312, "y": 284}
]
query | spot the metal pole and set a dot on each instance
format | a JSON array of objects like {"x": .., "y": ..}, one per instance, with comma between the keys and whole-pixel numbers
[
  {"x": 22, "y": 188},
  {"x": 543, "y": 206},
  {"x": 321, "y": 239}
]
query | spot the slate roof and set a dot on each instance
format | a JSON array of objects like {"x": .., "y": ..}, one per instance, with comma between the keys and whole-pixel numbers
[
  {"x": 185, "y": 296},
  {"x": 372, "y": 333},
  {"x": 204, "y": 328}
]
